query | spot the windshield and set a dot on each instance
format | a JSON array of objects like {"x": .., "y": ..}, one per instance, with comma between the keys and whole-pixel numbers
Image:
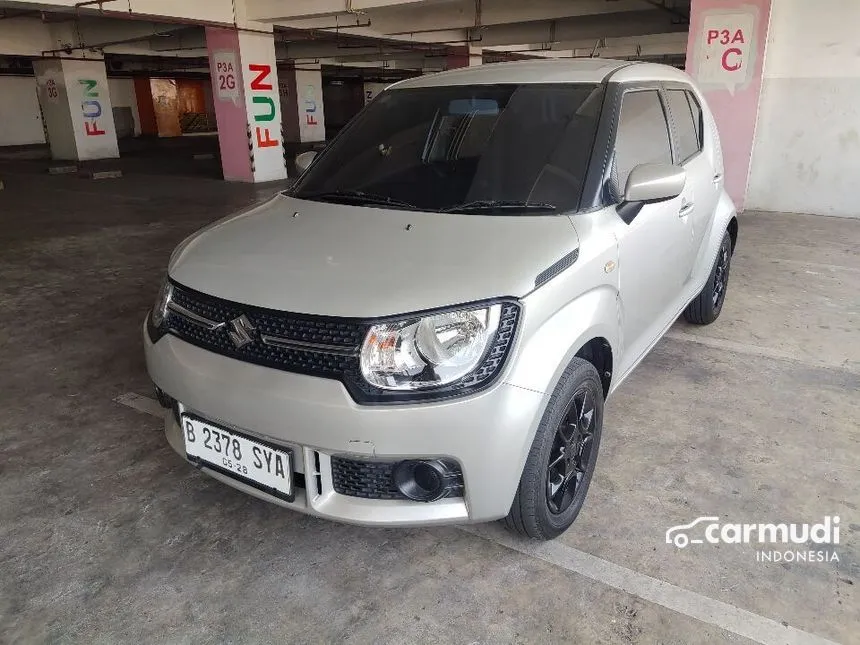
[{"x": 497, "y": 149}]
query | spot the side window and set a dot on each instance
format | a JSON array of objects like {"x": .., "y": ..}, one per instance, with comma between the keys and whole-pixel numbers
[
  {"x": 698, "y": 120},
  {"x": 643, "y": 135},
  {"x": 685, "y": 124}
]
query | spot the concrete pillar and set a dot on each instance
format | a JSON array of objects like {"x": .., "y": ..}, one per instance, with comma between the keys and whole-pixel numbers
[
  {"x": 302, "y": 97},
  {"x": 806, "y": 157},
  {"x": 725, "y": 54},
  {"x": 464, "y": 56},
  {"x": 76, "y": 107},
  {"x": 247, "y": 106},
  {"x": 372, "y": 89}
]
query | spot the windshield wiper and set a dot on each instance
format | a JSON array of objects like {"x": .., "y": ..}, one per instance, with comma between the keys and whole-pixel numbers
[
  {"x": 498, "y": 204},
  {"x": 358, "y": 197}
]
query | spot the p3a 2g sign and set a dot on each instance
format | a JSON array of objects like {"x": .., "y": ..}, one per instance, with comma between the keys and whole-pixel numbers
[{"x": 226, "y": 71}]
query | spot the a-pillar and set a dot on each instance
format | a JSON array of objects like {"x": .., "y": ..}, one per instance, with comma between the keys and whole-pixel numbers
[
  {"x": 725, "y": 54},
  {"x": 464, "y": 56},
  {"x": 247, "y": 106},
  {"x": 302, "y": 98},
  {"x": 76, "y": 108}
]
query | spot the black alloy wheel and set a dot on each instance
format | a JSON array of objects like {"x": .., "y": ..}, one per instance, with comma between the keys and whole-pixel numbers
[
  {"x": 721, "y": 277},
  {"x": 571, "y": 453},
  {"x": 705, "y": 308}
]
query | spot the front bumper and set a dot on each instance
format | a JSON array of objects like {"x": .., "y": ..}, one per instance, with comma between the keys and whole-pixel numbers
[{"x": 489, "y": 433}]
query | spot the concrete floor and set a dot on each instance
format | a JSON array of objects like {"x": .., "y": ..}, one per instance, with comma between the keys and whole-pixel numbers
[{"x": 107, "y": 536}]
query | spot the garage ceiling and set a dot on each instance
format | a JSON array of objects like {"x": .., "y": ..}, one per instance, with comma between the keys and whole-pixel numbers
[
  {"x": 399, "y": 34},
  {"x": 624, "y": 28}
]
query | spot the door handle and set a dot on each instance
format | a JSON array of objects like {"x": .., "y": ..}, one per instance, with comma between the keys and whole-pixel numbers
[
  {"x": 718, "y": 178},
  {"x": 686, "y": 207}
]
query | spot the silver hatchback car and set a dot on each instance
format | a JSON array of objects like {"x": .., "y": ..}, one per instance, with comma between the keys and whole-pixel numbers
[{"x": 425, "y": 327}]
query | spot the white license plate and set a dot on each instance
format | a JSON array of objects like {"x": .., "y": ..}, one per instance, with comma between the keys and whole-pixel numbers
[{"x": 259, "y": 464}]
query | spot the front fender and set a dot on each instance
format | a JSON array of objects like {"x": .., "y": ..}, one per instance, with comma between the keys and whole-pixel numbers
[{"x": 552, "y": 337}]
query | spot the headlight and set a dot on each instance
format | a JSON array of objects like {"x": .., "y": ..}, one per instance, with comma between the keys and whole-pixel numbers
[
  {"x": 430, "y": 351},
  {"x": 159, "y": 311}
]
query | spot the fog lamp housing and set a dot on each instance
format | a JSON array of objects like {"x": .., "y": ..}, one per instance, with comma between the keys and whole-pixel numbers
[{"x": 428, "y": 480}]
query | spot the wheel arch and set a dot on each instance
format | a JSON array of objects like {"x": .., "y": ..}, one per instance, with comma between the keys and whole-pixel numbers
[
  {"x": 733, "y": 232},
  {"x": 598, "y": 352},
  {"x": 725, "y": 219}
]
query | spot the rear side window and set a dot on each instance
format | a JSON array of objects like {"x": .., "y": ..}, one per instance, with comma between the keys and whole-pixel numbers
[
  {"x": 689, "y": 140},
  {"x": 643, "y": 134},
  {"x": 698, "y": 121}
]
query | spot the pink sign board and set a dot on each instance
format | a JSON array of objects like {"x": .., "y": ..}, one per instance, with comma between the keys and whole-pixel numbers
[
  {"x": 725, "y": 54},
  {"x": 227, "y": 91}
]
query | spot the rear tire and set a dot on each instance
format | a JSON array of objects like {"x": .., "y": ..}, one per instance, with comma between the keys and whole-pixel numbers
[
  {"x": 706, "y": 307},
  {"x": 562, "y": 458}
]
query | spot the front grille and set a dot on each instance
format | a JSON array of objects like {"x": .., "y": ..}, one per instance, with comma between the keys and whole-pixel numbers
[
  {"x": 339, "y": 334},
  {"x": 368, "y": 479}
]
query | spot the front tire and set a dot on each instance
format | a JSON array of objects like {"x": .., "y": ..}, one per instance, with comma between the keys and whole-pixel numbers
[
  {"x": 706, "y": 307},
  {"x": 561, "y": 461}
]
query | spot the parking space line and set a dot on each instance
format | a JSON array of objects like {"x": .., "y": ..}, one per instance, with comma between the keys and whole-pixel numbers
[
  {"x": 756, "y": 350},
  {"x": 140, "y": 403},
  {"x": 689, "y": 603},
  {"x": 695, "y": 605},
  {"x": 836, "y": 268}
]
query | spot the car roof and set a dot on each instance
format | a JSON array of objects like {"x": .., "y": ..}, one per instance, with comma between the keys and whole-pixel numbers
[{"x": 559, "y": 70}]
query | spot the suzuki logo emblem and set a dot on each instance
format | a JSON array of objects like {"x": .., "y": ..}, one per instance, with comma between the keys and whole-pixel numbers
[{"x": 240, "y": 330}]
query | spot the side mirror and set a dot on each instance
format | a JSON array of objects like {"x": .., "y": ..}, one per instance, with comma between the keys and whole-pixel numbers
[
  {"x": 654, "y": 182},
  {"x": 304, "y": 160}
]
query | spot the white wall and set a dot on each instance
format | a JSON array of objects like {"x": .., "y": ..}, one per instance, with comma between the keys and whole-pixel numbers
[
  {"x": 20, "y": 119},
  {"x": 122, "y": 95},
  {"x": 806, "y": 156}
]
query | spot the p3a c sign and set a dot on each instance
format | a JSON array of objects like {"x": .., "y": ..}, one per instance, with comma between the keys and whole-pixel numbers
[{"x": 727, "y": 47}]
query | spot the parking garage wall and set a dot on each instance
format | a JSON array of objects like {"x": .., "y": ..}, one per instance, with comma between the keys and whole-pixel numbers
[
  {"x": 124, "y": 102},
  {"x": 20, "y": 118},
  {"x": 806, "y": 157}
]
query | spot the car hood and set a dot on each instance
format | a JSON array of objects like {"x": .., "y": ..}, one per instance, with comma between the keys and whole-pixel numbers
[{"x": 339, "y": 260}]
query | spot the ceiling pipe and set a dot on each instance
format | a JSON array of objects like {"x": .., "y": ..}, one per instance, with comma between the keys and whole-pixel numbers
[
  {"x": 87, "y": 3},
  {"x": 98, "y": 46}
]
